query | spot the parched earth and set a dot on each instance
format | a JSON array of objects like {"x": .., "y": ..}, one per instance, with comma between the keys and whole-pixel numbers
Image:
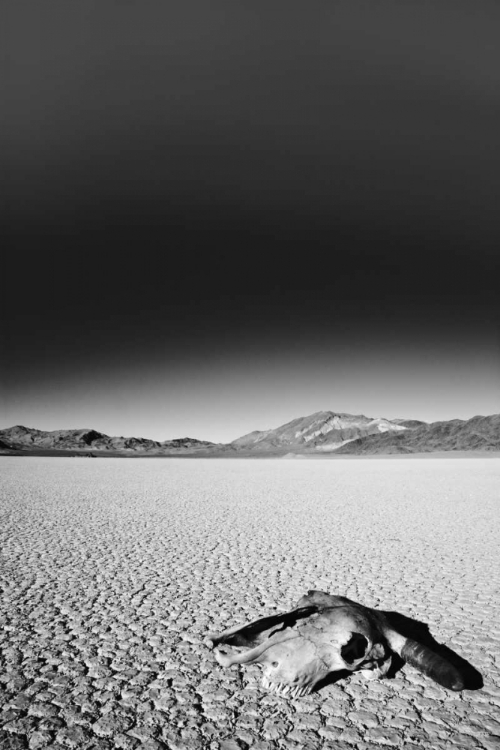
[{"x": 114, "y": 570}]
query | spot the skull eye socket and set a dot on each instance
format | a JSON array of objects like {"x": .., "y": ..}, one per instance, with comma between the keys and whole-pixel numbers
[{"x": 355, "y": 648}]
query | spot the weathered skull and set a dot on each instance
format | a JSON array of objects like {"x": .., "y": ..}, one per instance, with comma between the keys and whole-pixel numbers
[{"x": 324, "y": 634}]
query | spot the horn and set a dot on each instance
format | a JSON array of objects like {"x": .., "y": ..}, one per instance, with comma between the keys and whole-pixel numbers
[
  {"x": 432, "y": 665},
  {"x": 422, "y": 658}
]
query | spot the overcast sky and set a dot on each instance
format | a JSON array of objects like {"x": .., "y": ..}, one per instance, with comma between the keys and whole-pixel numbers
[{"x": 223, "y": 217}]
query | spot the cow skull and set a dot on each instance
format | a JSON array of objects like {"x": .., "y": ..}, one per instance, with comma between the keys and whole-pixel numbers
[{"x": 322, "y": 635}]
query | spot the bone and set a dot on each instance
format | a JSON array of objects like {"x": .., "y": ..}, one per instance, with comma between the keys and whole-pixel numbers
[
  {"x": 326, "y": 633},
  {"x": 253, "y": 654}
]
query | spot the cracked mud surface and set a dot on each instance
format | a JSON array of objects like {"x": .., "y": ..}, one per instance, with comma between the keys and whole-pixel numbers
[{"x": 113, "y": 571}]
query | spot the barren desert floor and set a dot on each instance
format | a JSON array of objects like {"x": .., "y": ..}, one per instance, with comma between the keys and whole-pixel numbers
[{"x": 114, "y": 570}]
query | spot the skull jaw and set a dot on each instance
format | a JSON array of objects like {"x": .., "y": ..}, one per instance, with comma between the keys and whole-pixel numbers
[
  {"x": 287, "y": 690},
  {"x": 288, "y": 683},
  {"x": 285, "y": 681},
  {"x": 317, "y": 673},
  {"x": 300, "y": 687}
]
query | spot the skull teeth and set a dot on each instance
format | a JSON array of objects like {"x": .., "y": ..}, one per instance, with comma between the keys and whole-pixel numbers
[
  {"x": 299, "y": 692},
  {"x": 284, "y": 690}
]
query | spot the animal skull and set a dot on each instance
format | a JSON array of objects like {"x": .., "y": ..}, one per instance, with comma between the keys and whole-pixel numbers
[{"x": 324, "y": 634}]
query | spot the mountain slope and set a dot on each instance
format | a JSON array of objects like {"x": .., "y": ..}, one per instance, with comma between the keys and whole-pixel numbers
[
  {"x": 478, "y": 433},
  {"x": 323, "y": 431}
]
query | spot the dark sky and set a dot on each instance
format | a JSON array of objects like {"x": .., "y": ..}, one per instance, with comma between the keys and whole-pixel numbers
[{"x": 220, "y": 218}]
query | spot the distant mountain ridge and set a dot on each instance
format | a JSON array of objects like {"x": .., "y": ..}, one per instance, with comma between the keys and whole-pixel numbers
[
  {"x": 321, "y": 433},
  {"x": 27, "y": 438}
]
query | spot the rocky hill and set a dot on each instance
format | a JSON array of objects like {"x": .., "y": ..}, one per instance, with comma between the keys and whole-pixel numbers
[{"x": 21, "y": 438}]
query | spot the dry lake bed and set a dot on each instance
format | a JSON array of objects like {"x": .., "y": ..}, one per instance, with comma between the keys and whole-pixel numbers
[{"x": 113, "y": 570}]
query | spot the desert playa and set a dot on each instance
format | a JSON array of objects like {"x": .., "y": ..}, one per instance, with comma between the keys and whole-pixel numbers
[{"x": 113, "y": 572}]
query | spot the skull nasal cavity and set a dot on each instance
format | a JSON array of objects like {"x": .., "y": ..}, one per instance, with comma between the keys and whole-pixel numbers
[{"x": 355, "y": 648}]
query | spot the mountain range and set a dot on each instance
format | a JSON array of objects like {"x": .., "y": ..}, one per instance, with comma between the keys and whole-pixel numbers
[{"x": 321, "y": 433}]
